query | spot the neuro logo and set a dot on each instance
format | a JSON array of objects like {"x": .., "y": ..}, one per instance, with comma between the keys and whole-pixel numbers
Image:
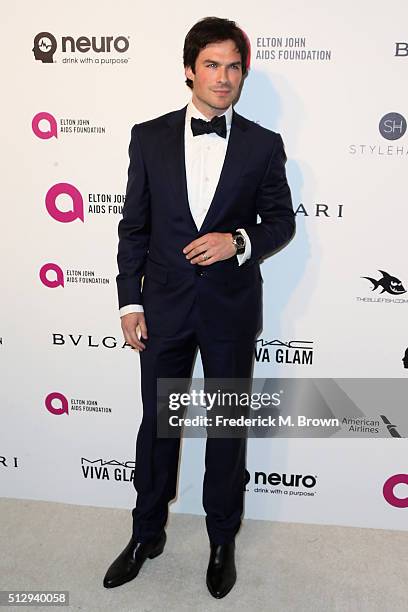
[
  {"x": 45, "y": 45},
  {"x": 392, "y": 126},
  {"x": 77, "y": 211},
  {"x": 287, "y": 480},
  {"x": 389, "y": 283},
  {"x": 44, "y": 48},
  {"x": 58, "y": 281},
  {"x": 52, "y": 128},
  {"x": 405, "y": 359},
  {"x": 388, "y": 491},
  {"x": 61, "y": 400}
]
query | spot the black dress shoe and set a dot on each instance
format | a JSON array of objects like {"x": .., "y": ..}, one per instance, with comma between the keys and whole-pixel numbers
[
  {"x": 221, "y": 572},
  {"x": 128, "y": 564}
]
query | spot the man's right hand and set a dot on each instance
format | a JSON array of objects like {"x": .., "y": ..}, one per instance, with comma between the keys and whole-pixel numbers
[{"x": 130, "y": 324}]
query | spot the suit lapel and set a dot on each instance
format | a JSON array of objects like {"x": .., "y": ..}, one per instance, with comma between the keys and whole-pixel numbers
[
  {"x": 174, "y": 158},
  {"x": 236, "y": 157}
]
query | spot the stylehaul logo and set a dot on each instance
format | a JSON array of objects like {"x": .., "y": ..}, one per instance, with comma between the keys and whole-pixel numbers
[
  {"x": 391, "y": 126},
  {"x": 46, "y": 45},
  {"x": 52, "y": 276},
  {"x": 65, "y": 203},
  {"x": 389, "y": 490}
]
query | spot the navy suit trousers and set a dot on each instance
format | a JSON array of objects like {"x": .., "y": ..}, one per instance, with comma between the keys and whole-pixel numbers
[{"x": 157, "y": 458}]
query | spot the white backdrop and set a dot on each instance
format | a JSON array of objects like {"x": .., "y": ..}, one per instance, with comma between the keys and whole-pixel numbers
[{"x": 329, "y": 91}]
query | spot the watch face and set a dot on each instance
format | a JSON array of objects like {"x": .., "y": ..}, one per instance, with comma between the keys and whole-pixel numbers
[{"x": 239, "y": 242}]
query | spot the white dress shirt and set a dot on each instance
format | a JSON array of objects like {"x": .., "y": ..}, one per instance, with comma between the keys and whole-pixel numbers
[{"x": 204, "y": 158}]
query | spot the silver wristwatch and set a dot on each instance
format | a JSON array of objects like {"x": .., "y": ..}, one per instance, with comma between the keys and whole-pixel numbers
[{"x": 238, "y": 241}]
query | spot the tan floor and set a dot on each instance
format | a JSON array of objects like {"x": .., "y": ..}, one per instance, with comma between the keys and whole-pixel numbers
[{"x": 280, "y": 566}]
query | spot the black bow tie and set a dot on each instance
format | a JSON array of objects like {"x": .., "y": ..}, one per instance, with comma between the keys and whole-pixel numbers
[{"x": 218, "y": 125}]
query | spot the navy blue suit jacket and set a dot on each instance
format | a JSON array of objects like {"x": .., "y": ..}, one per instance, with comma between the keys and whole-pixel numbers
[{"x": 157, "y": 224}]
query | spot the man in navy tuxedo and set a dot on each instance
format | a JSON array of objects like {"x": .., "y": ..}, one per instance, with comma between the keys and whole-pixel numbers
[{"x": 198, "y": 178}]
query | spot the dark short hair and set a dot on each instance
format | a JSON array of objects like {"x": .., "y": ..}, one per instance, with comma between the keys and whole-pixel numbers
[{"x": 211, "y": 30}]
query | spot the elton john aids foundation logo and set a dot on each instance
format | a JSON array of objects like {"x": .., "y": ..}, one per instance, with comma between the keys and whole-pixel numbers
[
  {"x": 58, "y": 281},
  {"x": 44, "y": 126},
  {"x": 77, "y": 203},
  {"x": 389, "y": 490},
  {"x": 56, "y": 403}
]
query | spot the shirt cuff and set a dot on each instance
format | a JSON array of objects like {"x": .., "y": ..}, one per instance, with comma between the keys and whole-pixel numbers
[
  {"x": 247, "y": 253},
  {"x": 130, "y": 308}
]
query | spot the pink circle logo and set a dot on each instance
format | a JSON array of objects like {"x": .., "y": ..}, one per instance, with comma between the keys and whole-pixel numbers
[
  {"x": 52, "y": 128},
  {"x": 77, "y": 211},
  {"x": 61, "y": 399},
  {"x": 388, "y": 490},
  {"x": 58, "y": 281}
]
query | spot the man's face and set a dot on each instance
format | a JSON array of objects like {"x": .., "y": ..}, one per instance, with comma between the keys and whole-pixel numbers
[{"x": 217, "y": 78}]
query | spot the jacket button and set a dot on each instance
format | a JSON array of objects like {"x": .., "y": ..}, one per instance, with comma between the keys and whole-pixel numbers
[{"x": 200, "y": 273}]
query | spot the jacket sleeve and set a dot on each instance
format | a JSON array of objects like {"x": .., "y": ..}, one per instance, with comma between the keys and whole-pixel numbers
[
  {"x": 133, "y": 228},
  {"x": 274, "y": 206}
]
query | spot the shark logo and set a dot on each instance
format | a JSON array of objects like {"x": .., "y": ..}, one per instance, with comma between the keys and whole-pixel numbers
[{"x": 389, "y": 283}]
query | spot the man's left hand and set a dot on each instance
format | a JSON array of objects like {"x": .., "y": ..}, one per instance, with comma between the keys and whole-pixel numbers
[{"x": 208, "y": 249}]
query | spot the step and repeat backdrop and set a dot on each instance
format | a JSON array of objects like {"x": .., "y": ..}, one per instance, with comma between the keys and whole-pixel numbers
[{"x": 331, "y": 79}]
